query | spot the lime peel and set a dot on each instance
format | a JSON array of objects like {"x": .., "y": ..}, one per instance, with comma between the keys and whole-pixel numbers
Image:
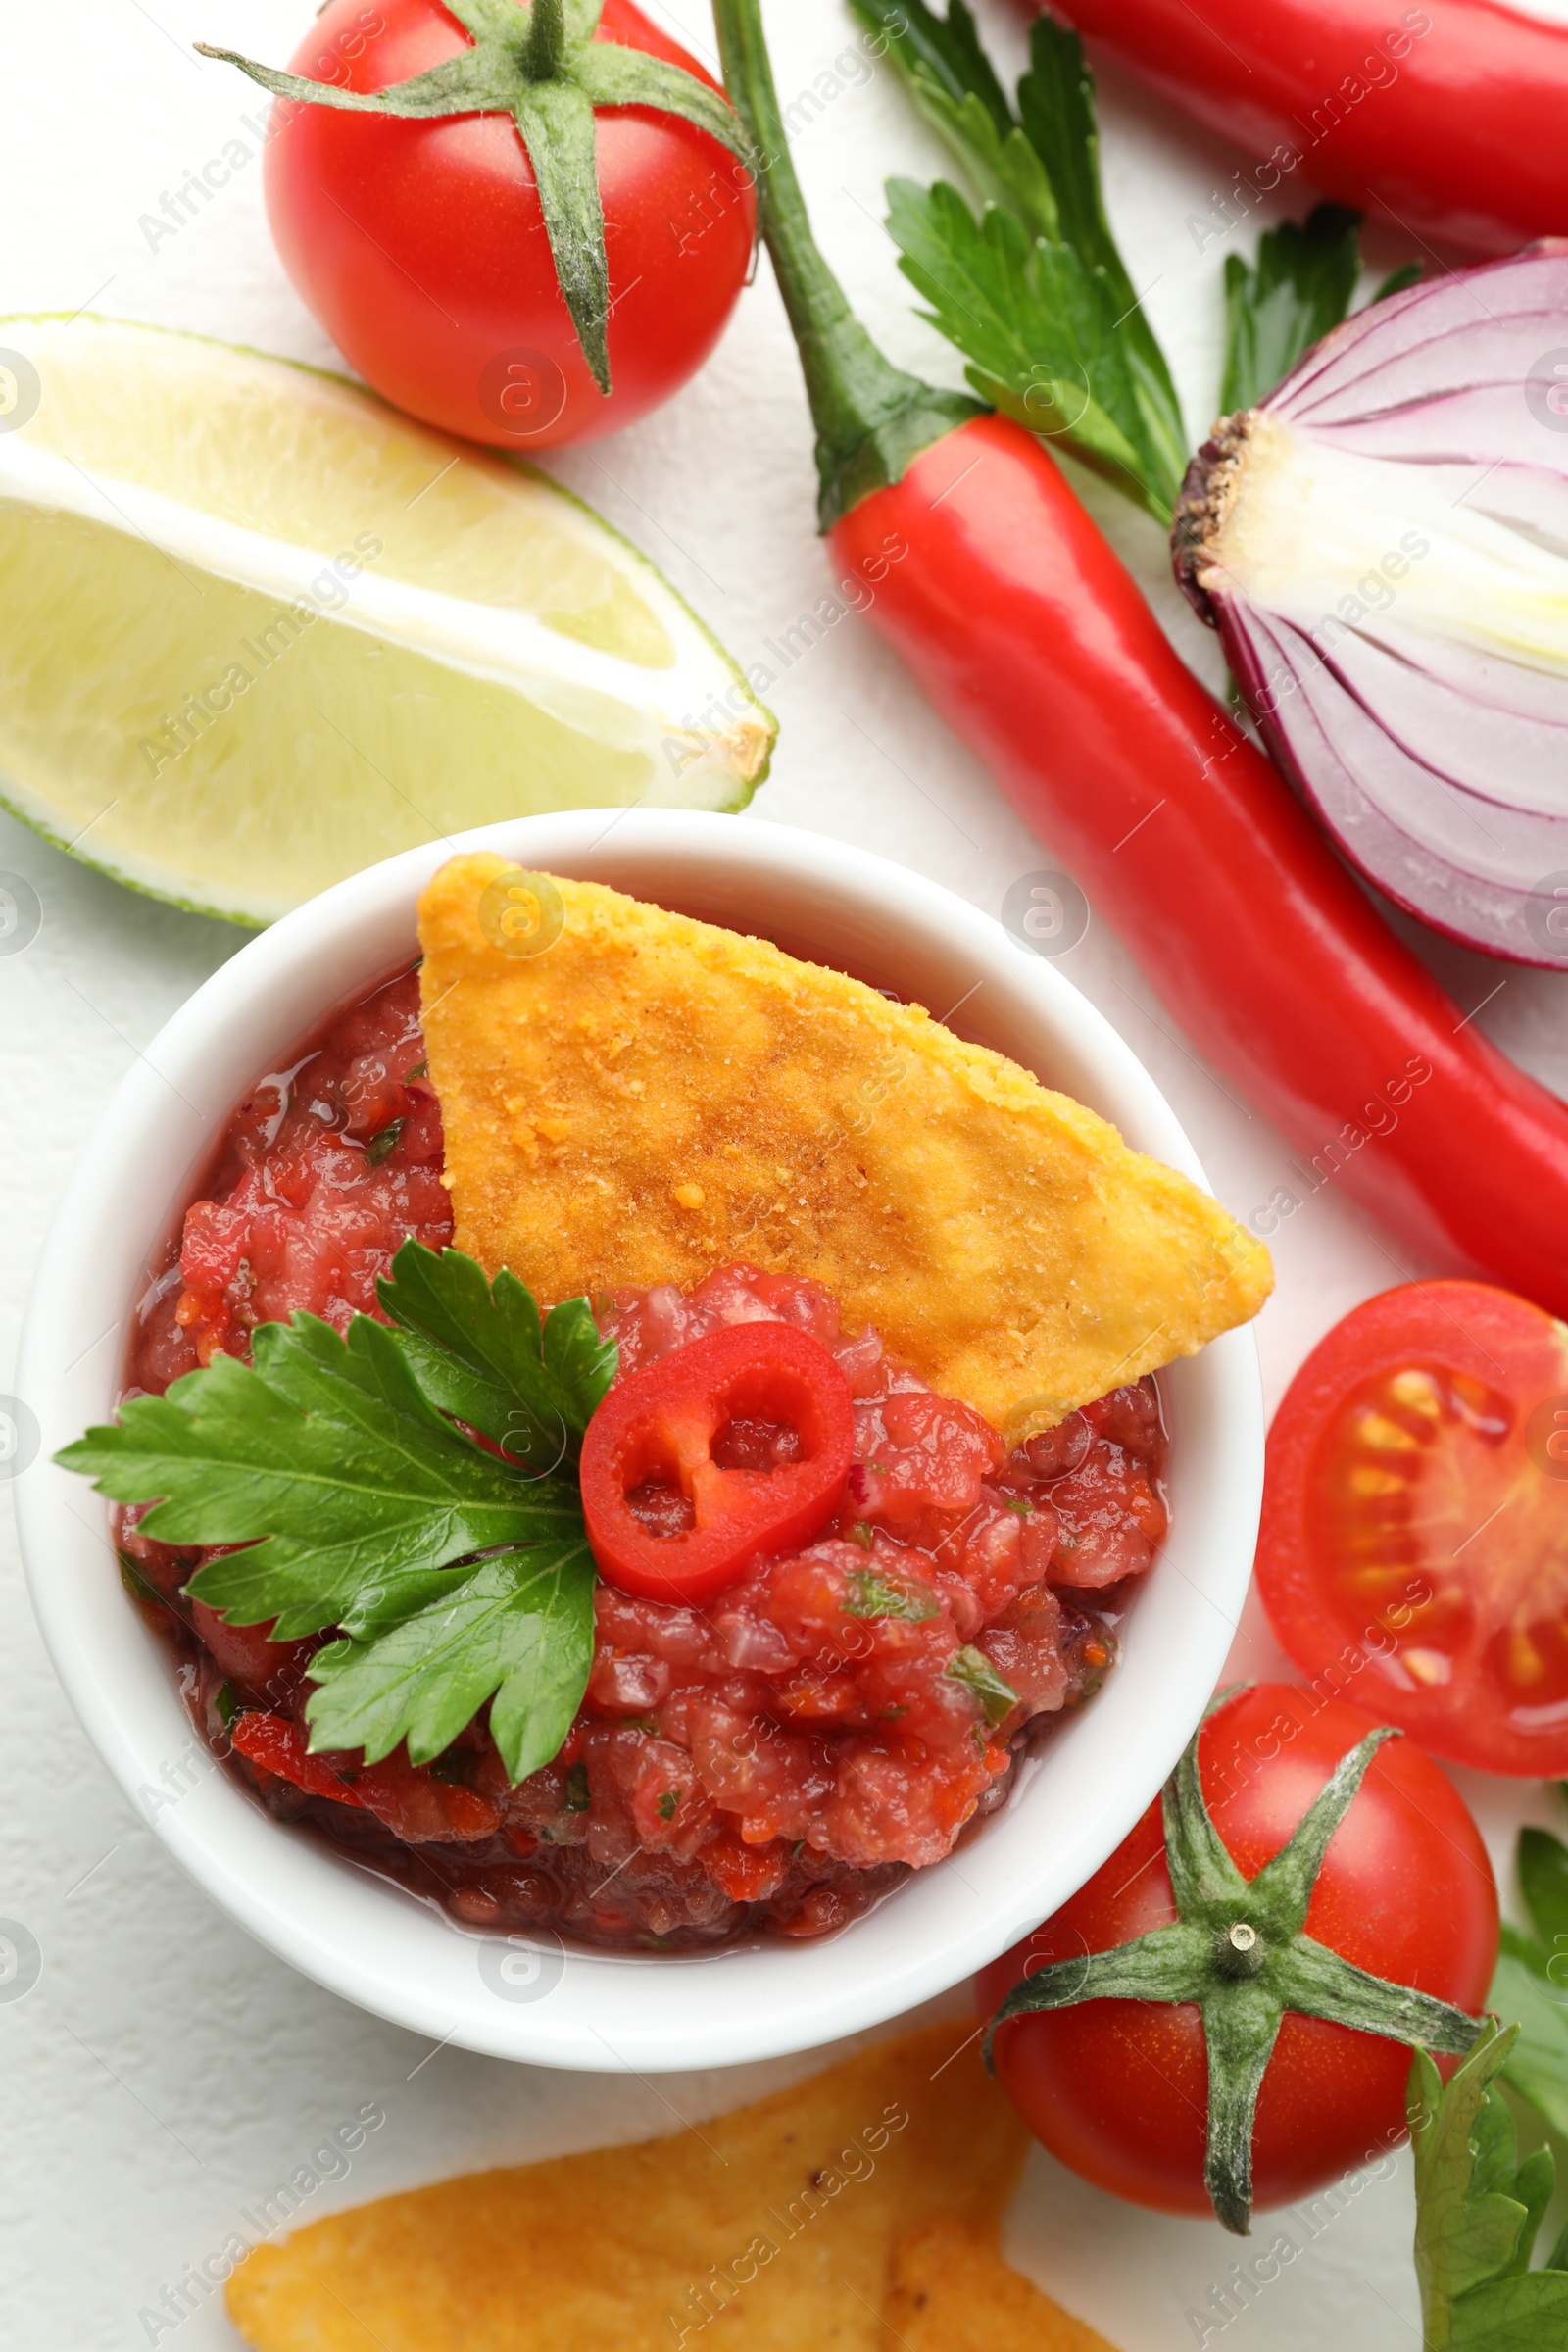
[{"x": 262, "y": 630}]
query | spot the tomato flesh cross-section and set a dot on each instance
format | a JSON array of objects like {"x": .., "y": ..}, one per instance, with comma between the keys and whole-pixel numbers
[
  {"x": 1414, "y": 1543},
  {"x": 734, "y": 1448}
]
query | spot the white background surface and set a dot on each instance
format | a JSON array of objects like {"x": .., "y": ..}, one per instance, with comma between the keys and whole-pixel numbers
[{"x": 165, "y": 2072}]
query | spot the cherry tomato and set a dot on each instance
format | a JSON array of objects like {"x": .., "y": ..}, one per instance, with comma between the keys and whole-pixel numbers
[
  {"x": 735, "y": 1445},
  {"x": 421, "y": 245},
  {"x": 1118, "y": 2089},
  {"x": 1414, "y": 1540}
]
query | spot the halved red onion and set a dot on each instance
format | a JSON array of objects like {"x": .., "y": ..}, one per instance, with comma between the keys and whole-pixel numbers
[{"x": 1383, "y": 546}]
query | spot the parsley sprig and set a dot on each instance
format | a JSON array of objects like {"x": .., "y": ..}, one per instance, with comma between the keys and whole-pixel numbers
[
  {"x": 1034, "y": 292},
  {"x": 1478, "y": 2212},
  {"x": 1302, "y": 284},
  {"x": 452, "y": 1574},
  {"x": 1033, "y": 289},
  {"x": 1529, "y": 1988}
]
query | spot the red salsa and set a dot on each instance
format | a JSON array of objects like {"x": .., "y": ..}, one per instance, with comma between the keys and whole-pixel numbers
[{"x": 780, "y": 1756}]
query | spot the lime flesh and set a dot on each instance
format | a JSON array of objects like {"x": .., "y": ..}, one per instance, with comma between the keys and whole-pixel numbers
[{"x": 258, "y": 630}]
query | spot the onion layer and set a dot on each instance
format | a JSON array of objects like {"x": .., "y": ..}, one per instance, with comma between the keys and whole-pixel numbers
[{"x": 1383, "y": 546}]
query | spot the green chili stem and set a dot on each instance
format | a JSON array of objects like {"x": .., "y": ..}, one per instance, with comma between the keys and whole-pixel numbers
[{"x": 871, "y": 419}]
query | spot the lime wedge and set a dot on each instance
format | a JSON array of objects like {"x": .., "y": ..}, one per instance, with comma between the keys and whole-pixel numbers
[{"x": 258, "y": 630}]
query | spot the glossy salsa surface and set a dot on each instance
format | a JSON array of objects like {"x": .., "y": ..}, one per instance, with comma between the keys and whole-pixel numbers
[{"x": 774, "y": 1760}]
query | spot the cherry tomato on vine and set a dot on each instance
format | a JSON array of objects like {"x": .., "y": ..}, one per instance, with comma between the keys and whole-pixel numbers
[
  {"x": 1416, "y": 1521},
  {"x": 1119, "y": 2088},
  {"x": 420, "y": 244},
  {"x": 735, "y": 1445}
]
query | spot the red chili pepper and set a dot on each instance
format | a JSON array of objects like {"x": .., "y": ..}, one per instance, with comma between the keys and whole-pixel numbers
[
  {"x": 1036, "y": 646},
  {"x": 1446, "y": 118},
  {"x": 659, "y": 1441},
  {"x": 280, "y": 1746},
  {"x": 412, "y": 1802}
]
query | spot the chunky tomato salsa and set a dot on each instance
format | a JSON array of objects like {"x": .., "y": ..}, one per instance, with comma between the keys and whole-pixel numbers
[{"x": 775, "y": 1754}]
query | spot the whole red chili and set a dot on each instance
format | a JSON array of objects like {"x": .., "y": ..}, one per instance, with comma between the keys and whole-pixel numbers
[
  {"x": 734, "y": 1446},
  {"x": 1445, "y": 119},
  {"x": 1036, "y": 645}
]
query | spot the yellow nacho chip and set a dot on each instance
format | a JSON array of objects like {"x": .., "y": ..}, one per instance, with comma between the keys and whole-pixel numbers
[
  {"x": 952, "y": 2292},
  {"x": 773, "y": 2226},
  {"x": 636, "y": 1098}
]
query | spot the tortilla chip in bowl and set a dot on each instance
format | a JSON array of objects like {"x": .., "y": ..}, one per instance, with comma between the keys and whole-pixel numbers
[{"x": 649, "y": 1098}]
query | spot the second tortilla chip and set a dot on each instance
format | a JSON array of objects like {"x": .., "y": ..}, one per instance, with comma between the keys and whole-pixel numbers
[
  {"x": 777, "y": 2220},
  {"x": 952, "y": 2292},
  {"x": 652, "y": 1097}
]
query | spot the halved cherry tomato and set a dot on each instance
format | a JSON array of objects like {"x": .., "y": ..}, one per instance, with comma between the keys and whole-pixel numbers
[
  {"x": 1414, "y": 1545},
  {"x": 735, "y": 1445}
]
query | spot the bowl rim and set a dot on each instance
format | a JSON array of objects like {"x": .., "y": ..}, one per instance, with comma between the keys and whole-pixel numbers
[{"x": 528, "y": 1997}]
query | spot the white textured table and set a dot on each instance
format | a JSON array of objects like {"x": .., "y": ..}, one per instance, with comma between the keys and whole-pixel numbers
[{"x": 165, "y": 2073}]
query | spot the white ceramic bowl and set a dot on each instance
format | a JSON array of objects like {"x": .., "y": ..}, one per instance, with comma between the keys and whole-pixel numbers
[{"x": 363, "y": 1938}]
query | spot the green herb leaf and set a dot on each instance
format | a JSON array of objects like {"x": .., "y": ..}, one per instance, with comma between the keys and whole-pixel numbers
[
  {"x": 1301, "y": 285},
  {"x": 871, "y": 1595},
  {"x": 380, "y": 1146},
  {"x": 997, "y": 1697},
  {"x": 952, "y": 85},
  {"x": 943, "y": 55},
  {"x": 1543, "y": 1878},
  {"x": 479, "y": 1352},
  {"x": 329, "y": 1462},
  {"x": 1477, "y": 2213},
  {"x": 1530, "y": 1990},
  {"x": 516, "y": 1629},
  {"x": 352, "y": 1493},
  {"x": 1026, "y": 318},
  {"x": 1035, "y": 294},
  {"x": 1408, "y": 274}
]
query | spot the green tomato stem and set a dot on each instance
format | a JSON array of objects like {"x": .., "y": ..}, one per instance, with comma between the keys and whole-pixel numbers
[
  {"x": 547, "y": 40},
  {"x": 1239, "y": 1951}
]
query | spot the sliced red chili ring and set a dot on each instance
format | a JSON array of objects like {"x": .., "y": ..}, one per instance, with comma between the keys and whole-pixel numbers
[{"x": 670, "y": 1517}]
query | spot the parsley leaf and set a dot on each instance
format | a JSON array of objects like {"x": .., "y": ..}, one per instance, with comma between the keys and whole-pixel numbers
[
  {"x": 1478, "y": 2212},
  {"x": 1300, "y": 286},
  {"x": 327, "y": 1459},
  {"x": 1033, "y": 293},
  {"x": 1543, "y": 1875},
  {"x": 480, "y": 1353},
  {"x": 997, "y": 1697},
  {"x": 453, "y": 1576},
  {"x": 1523, "y": 1995},
  {"x": 520, "y": 1624},
  {"x": 1529, "y": 1988},
  {"x": 942, "y": 55},
  {"x": 382, "y": 1146},
  {"x": 873, "y": 1596}
]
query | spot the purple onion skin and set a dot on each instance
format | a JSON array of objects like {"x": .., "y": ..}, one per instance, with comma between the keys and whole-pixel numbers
[{"x": 1440, "y": 774}]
